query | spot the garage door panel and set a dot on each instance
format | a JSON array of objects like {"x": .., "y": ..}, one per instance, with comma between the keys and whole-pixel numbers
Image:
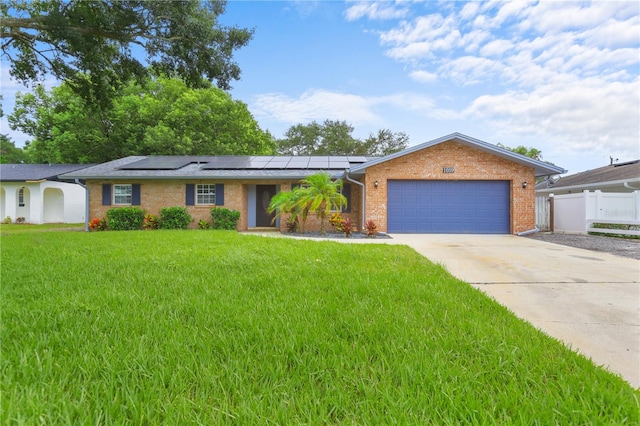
[{"x": 448, "y": 206}]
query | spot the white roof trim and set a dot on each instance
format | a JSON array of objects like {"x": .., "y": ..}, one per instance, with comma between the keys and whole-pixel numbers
[{"x": 589, "y": 186}]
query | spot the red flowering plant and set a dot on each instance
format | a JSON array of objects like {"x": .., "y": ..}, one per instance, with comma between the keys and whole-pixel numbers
[
  {"x": 150, "y": 222},
  {"x": 98, "y": 224},
  {"x": 371, "y": 228}
]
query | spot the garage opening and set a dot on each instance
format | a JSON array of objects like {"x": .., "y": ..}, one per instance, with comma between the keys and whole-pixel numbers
[{"x": 448, "y": 207}]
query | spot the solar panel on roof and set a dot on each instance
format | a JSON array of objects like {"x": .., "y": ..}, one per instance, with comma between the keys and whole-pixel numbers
[
  {"x": 215, "y": 163},
  {"x": 239, "y": 163},
  {"x": 319, "y": 163},
  {"x": 298, "y": 163},
  {"x": 357, "y": 159},
  {"x": 160, "y": 163},
  {"x": 276, "y": 165},
  {"x": 338, "y": 164}
]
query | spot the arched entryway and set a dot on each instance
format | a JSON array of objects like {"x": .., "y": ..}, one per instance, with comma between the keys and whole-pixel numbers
[
  {"x": 53, "y": 205},
  {"x": 23, "y": 204}
]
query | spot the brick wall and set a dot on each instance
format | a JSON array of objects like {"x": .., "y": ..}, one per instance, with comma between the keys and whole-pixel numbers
[
  {"x": 469, "y": 164},
  {"x": 156, "y": 194}
]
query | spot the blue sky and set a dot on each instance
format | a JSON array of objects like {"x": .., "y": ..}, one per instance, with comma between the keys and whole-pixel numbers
[{"x": 562, "y": 77}]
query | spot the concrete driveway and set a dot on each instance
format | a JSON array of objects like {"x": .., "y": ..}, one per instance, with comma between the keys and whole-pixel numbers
[{"x": 587, "y": 299}]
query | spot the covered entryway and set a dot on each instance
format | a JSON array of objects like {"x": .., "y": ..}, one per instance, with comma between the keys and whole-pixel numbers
[
  {"x": 449, "y": 206},
  {"x": 264, "y": 194}
]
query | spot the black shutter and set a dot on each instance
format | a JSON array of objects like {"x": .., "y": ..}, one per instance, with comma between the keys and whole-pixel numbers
[
  {"x": 219, "y": 194},
  {"x": 106, "y": 194},
  {"x": 190, "y": 195},
  {"x": 346, "y": 191},
  {"x": 135, "y": 194}
]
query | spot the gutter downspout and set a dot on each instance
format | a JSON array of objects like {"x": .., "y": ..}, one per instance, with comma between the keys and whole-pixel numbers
[
  {"x": 86, "y": 206},
  {"x": 346, "y": 176},
  {"x": 529, "y": 232}
]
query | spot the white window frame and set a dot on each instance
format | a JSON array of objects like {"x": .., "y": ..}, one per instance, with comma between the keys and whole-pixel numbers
[
  {"x": 21, "y": 197},
  {"x": 118, "y": 195},
  {"x": 205, "y": 194}
]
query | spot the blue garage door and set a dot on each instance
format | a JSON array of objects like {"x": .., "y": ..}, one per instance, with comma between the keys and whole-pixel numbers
[{"x": 448, "y": 207}]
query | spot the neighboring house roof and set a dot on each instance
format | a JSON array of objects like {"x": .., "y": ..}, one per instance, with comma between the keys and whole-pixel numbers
[
  {"x": 218, "y": 167},
  {"x": 541, "y": 168},
  {"x": 36, "y": 172},
  {"x": 612, "y": 177}
]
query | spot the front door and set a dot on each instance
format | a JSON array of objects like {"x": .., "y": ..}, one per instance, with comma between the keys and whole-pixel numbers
[{"x": 264, "y": 193}]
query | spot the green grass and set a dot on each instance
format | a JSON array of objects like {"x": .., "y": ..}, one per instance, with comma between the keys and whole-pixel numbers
[
  {"x": 204, "y": 327},
  {"x": 25, "y": 228}
]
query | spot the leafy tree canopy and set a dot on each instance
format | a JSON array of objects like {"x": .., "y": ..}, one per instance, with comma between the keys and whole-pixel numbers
[
  {"x": 335, "y": 138},
  {"x": 159, "y": 117},
  {"x": 534, "y": 153},
  {"x": 94, "y": 46},
  {"x": 9, "y": 153}
]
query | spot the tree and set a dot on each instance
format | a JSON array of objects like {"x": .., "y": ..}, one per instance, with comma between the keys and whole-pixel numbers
[
  {"x": 329, "y": 138},
  {"x": 523, "y": 150},
  {"x": 95, "y": 46},
  {"x": 317, "y": 193},
  {"x": 335, "y": 138},
  {"x": 530, "y": 152},
  {"x": 320, "y": 194},
  {"x": 9, "y": 154},
  {"x": 160, "y": 117},
  {"x": 287, "y": 202},
  {"x": 386, "y": 142}
]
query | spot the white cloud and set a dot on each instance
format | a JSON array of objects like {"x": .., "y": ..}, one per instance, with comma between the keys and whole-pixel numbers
[
  {"x": 560, "y": 72},
  {"x": 375, "y": 11},
  {"x": 496, "y": 48},
  {"x": 469, "y": 10},
  {"x": 468, "y": 70},
  {"x": 423, "y": 76},
  {"x": 358, "y": 110},
  {"x": 614, "y": 33},
  {"x": 588, "y": 114},
  {"x": 314, "y": 105}
]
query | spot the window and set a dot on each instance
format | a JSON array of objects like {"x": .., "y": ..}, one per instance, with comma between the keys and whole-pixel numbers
[
  {"x": 205, "y": 194},
  {"x": 346, "y": 191},
  {"x": 122, "y": 195},
  {"x": 21, "y": 197}
]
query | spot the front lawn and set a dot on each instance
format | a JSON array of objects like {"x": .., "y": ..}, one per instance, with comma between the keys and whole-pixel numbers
[
  {"x": 25, "y": 228},
  {"x": 213, "y": 327}
]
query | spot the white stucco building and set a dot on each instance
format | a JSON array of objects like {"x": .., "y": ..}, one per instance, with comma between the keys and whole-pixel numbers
[{"x": 34, "y": 192}]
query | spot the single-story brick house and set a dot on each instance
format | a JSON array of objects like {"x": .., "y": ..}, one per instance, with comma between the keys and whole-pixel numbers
[
  {"x": 35, "y": 193},
  {"x": 453, "y": 184}
]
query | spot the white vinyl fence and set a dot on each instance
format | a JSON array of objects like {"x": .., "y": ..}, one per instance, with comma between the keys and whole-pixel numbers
[
  {"x": 543, "y": 213},
  {"x": 578, "y": 212}
]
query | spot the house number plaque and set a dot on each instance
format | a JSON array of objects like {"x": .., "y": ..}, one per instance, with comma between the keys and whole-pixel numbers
[{"x": 448, "y": 170}]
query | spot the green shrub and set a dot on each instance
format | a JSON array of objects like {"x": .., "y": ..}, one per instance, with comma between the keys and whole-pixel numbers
[
  {"x": 203, "y": 224},
  {"x": 174, "y": 218},
  {"x": 224, "y": 218},
  {"x": 125, "y": 218}
]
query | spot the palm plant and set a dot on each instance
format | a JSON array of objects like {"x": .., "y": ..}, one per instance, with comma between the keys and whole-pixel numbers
[
  {"x": 287, "y": 203},
  {"x": 321, "y": 194}
]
